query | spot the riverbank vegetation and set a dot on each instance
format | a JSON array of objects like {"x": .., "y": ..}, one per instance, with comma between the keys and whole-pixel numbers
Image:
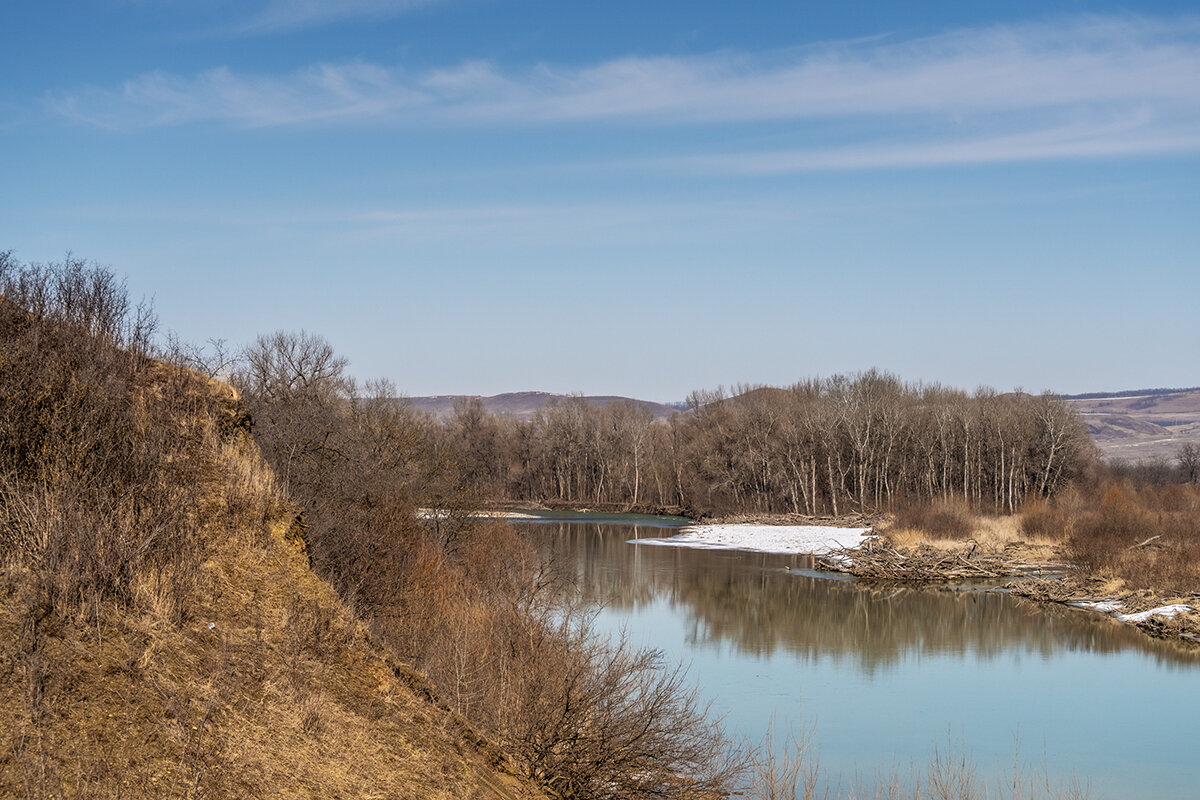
[
  {"x": 467, "y": 602},
  {"x": 161, "y": 634},
  {"x": 1012, "y": 477},
  {"x": 1107, "y": 542},
  {"x": 859, "y": 443},
  {"x": 980, "y": 486},
  {"x": 182, "y": 617},
  {"x": 215, "y": 589}
]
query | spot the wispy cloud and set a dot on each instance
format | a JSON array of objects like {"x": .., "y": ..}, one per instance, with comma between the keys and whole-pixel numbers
[
  {"x": 1127, "y": 135},
  {"x": 286, "y": 14},
  {"x": 1087, "y": 86},
  {"x": 351, "y": 93}
]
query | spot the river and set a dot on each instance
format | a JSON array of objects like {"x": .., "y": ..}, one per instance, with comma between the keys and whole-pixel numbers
[{"x": 881, "y": 676}]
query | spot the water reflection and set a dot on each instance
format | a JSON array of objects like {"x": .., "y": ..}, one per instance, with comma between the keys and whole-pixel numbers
[{"x": 763, "y": 604}]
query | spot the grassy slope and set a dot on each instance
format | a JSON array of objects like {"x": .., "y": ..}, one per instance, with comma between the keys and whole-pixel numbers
[{"x": 285, "y": 695}]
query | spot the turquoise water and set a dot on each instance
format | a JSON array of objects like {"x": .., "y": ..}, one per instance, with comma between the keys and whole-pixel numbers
[{"x": 883, "y": 676}]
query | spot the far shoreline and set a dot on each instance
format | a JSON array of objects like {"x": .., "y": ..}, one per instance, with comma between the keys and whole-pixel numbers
[{"x": 1034, "y": 570}]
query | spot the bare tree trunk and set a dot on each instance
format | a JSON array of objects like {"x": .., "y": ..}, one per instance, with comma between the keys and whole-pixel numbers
[{"x": 832, "y": 487}]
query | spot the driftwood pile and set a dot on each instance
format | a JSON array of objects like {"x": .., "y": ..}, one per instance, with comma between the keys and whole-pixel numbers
[{"x": 879, "y": 560}]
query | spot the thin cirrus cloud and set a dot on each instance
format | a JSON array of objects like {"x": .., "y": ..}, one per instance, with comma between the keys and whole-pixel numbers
[
  {"x": 287, "y": 14},
  {"x": 1084, "y": 87}
]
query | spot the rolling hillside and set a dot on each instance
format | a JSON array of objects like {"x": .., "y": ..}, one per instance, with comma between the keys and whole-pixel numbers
[
  {"x": 524, "y": 405},
  {"x": 1143, "y": 424}
]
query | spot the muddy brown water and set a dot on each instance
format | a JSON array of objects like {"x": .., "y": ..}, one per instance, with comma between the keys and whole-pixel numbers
[{"x": 881, "y": 676}]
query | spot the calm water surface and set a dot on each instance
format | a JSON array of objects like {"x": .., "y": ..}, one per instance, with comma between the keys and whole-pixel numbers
[{"x": 885, "y": 675}]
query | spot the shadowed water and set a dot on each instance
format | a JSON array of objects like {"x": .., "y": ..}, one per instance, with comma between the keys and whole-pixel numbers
[{"x": 885, "y": 674}]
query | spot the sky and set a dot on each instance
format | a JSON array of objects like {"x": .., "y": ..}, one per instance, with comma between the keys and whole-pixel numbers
[{"x": 480, "y": 196}]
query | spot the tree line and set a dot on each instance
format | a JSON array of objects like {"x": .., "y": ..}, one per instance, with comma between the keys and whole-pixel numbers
[
  {"x": 850, "y": 443},
  {"x": 860, "y": 443}
]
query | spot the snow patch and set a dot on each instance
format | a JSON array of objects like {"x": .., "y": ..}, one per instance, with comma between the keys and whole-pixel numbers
[
  {"x": 1105, "y": 606},
  {"x": 814, "y": 539},
  {"x": 1161, "y": 611},
  {"x": 431, "y": 513}
]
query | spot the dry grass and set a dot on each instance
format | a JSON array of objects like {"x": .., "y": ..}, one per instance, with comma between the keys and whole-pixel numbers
[
  {"x": 946, "y": 520},
  {"x": 990, "y": 532},
  {"x": 1140, "y": 538},
  {"x": 166, "y": 635},
  {"x": 978, "y": 547},
  {"x": 1042, "y": 521},
  {"x": 161, "y": 635},
  {"x": 285, "y": 696},
  {"x": 950, "y": 774}
]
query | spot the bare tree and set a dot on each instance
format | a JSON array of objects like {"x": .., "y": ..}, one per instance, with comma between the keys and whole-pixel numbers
[{"x": 1189, "y": 462}]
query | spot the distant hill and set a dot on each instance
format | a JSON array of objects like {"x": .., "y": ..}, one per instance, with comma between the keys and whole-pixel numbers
[
  {"x": 1142, "y": 424},
  {"x": 524, "y": 405}
]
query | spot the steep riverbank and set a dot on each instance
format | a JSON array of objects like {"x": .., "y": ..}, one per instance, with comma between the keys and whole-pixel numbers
[{"x": 162, "y": 631}]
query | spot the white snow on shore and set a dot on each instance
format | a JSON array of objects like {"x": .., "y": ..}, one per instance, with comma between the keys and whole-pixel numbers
[
  {"x": 1105, "y": 606},
  {"x": 1113, "y": 606},
  {"x": 1161, "y": 611},
  {"x": 430, "y": 513},
  {"x": 815, "y": 539}
]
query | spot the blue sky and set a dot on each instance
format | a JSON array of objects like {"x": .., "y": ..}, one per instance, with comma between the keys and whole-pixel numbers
[{"x": 476, "y": 196}]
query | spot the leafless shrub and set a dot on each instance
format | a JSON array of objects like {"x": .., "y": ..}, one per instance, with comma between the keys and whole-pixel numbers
[
  {"x": 597, "y": 719},
  {"x": 106, "y": 456},
  {"x": 214, "y": 359},
  {"x": 463, "y": 600},
  {"x": 1137, "y": 535},
  {"x": 1041, "y": 520}
]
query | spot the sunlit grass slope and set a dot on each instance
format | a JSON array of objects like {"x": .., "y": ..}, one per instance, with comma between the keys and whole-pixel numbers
[{"x": 161, "y": 632}]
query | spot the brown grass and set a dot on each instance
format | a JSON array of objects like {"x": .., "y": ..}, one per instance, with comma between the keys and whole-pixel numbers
[
  {"x": 950, "y": 774},
  {"x": 945, "y": 520},
  {"x": 989, "y": 532},
  {"x": 1141, "y": 537},
  {"x": 160, "y": 634},
  {"x": 167, "y": 637},
  {"x": 285, "y": 697},
  {"x": 1042, "y": 521}
]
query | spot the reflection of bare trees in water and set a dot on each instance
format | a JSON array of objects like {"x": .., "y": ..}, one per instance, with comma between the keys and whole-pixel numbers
[{"x": 750, "y": 601}]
